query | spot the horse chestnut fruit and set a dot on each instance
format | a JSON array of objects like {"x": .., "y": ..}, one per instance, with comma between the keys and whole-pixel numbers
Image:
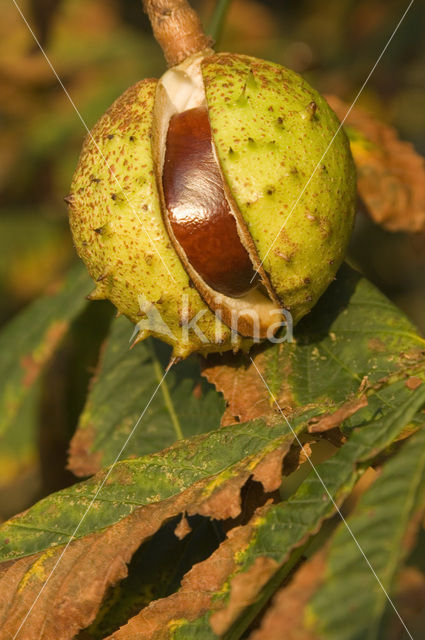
[{"x": 222, "y": 193}]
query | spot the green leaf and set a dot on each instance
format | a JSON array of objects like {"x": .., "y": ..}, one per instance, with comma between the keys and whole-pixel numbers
[
  {"x": 19, "y": 458},
  {"x": 285, "y": 526},
  {"x": 353, "y": 609},
  {"x": 28, "y": 341},
  {"x": 355, "y": 341},
  {"x": 26, "y": 345},
  {"x": 212, "y": 459},
  {"x": 98, "y": 560},
  {"x": 126, "y": 380},
  {"x": 204, "y": 474},
  {"x": 18, "y": 446},
  {"x": 354, "y": 331}
]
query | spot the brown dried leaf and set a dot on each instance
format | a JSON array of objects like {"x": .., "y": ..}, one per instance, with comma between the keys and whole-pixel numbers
[
  {"x": 81, "y": 461},
  {"x": 319, "y": 371},
  {"x": 91, "y": 564},
  {"x": 248, "y": 398},
  {"x": 390, "y": 174},
  {"x": 296, "y": 456},
  {"x": 244, "y": 591},
  {"x": 410, "y": 603},
  {"x": 72, "y": 596},
  {"x": 205, "y": 579},
  {"x": 329, "y": 421},
  {"x": 183, "y": 528},
  {"x": 253, "y": 496},
  {"x": 286, "y": 616},
  {"x": 199, "y": 585},
  {"x": 237, "y": 379},
  {"x": 245, "y": 553}
]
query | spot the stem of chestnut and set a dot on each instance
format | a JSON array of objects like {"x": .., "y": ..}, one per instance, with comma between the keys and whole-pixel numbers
[{"x": 177, "y": 28}]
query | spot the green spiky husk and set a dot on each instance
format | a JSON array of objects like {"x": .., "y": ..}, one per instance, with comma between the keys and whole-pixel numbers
[
  {"x": 268, "y": 142},
  {"x": 117, "y": 225}
]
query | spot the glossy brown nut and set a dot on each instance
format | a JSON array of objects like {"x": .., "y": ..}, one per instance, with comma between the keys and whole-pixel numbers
[{"x": 197, "y": 209}]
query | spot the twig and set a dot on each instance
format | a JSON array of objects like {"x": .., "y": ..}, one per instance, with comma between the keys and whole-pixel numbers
[{"x": 177, "y": 28}]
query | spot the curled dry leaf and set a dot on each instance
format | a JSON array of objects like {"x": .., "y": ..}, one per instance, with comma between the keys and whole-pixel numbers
[
  {"x": 235, "y": 576},
  {"x": 286, "y": 616},
  {"x": 329, "y": 421},
  {"x": 296, "y": 456},
  {"x": 74, "y": 592},
  {"x": 199, "y": 586},
  {"x": 390, "y": 174}
]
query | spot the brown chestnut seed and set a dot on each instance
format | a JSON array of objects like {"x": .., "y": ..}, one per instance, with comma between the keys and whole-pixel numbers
[
  {"x": 197, "y": 209},
  {"x": 222, "y": 276}
]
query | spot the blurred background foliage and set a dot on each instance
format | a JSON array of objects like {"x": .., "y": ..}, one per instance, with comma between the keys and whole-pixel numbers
[{"x": 100, "y": 47}]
